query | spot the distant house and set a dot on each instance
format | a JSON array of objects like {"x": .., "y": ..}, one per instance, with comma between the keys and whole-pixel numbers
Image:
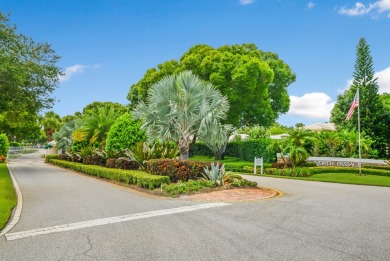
[
  {"x": 280, "y": 136},
  {"x": 321, "y": 127},
  {"x": 238, "y": 136}
]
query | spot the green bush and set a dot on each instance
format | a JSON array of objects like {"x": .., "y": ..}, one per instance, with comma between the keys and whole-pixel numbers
[
  {"x": 386, "y": 167},
  {"x": 297, "y": 172},
  {"x": 248, "y": 150},
  {"x": 177, "y": 169},
  {"x": 139, "y": 178},
  {"x": 181, "y": 187},
  {"x": 15, "y": 144},
  {"x": 79, "y": 145},
  {"x": 200, "y": 149},
  {"x": 367, "y": 171},
  {"x": 124, "y": 133},
  {"x": 49, "y": 157},
  {"x": 4, "y": 145},
  {"x": 244, "y": 150}
]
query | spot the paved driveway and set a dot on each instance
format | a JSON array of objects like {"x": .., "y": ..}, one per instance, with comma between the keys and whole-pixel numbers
[{"x": 67, "y": 216}]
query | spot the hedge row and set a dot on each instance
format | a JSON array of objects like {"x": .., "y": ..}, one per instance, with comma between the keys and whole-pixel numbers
[
  {"x": 244, "y": 150},
  {"x": 367, "y": 171},
  {"x": 139, "y": 178}
]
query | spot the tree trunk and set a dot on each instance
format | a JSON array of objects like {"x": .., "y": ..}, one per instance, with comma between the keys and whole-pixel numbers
[
  {"x": 184, "y": 149},
  {"x": 192, "y": 145}
]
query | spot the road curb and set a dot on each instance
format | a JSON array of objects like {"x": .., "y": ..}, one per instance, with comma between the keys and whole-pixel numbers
[{"x": 17, "y": 212}]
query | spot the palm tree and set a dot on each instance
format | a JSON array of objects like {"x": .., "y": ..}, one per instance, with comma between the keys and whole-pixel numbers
[
  {"x": 95, "y": 126},
  {"x": 180, "y": 107},
  {"x": 51, "y": 123},
  {"x": 300, "y": 136}
]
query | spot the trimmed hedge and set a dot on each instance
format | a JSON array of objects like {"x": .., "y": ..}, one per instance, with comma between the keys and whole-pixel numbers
[
  {"x": 385, "y": 167},
  {"x": 367, "y": 171},
  {"x": 244, "y": 150},
  {"x": 177, "y": 169},
  {"x": 139, "y": 178},
  {"x": 49, "y": 157}
]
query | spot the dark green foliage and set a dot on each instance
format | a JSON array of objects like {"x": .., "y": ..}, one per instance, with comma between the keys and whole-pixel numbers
[
  {"x": 244, "y": 150},
  {"x": 4, "y": 145},
  {"x": 254, "y": 81},
  {"x": 29, "y": 74},
  {"x": 177, "y": 169},
  {"x": 248, "y": 150},
  {"x": 200, "y": 149},
  {"x": 79, "y": 145},
  {"x": 139, "y": 178},
  {"x": 124, "y": 133},
  {"x": 374, "y": 120},
  {"x": 15, "y": 144}
]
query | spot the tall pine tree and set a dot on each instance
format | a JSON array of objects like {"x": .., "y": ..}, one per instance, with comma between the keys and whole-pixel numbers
[{"x": 373, "y": 119}]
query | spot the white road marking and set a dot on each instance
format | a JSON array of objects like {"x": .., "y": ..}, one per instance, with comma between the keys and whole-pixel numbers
[{"x": 110, "y": 220}]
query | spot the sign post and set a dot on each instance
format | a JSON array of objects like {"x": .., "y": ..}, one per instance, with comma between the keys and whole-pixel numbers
[{"x": 258, "y": 162}]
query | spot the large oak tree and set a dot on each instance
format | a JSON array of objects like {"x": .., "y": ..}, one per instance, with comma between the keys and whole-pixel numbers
[
  {"x": 28, "y": 75},
  {"x": 255, "y": 82}
]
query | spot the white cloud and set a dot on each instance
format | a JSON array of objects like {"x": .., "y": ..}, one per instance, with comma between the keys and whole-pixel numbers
[
  {"x": 378, "y": 7},
  {"x": 310, "y": 5},
  {"x": 70, "y": 71},
  {"x": 383, "y": 80},
  {"x": 315, "y": 105},
  {"x": 246, "y": 2}
]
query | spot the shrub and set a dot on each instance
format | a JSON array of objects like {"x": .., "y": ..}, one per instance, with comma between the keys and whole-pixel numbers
[
  {"x": 376, "y": 166},
  {"x": 248, "y": 150},
  {"x": 297, "y": 172},
  {"x": 142, "y": 152},
  {"x": 139, "y": 178},
  {"x": 367, "y": 171},
  {"x": 177, "y": 169},
  {"x": 4, "y": 145},
  {"x": 126, "y": 163},
  {"x": 124, "y": 133},
  {"x": 243, "y": 183},
  {"x": 15, "y": 144},
  {"x": 309, "y": 164},
  {"x": 280, "y": 165},
  {"x": 2, "y": 159},
  {"x": 49, "y": 157},
  {"x": 175, "y": 189},
  {"x": 110, "y": 163},
  {"x": 200, "y": 149}
]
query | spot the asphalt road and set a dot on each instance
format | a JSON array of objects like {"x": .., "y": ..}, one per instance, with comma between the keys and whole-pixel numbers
[{"x": 312, "y": 221}]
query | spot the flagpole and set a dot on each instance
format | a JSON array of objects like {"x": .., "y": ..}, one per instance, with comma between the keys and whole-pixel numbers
[{"x": 360, "y": 153}]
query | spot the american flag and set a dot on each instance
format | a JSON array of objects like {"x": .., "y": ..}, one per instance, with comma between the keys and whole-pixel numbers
[{"x": 355, "y": 103}]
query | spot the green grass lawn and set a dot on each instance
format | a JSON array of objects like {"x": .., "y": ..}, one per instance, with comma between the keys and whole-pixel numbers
[
  {"x": 7, "y": 195},
  {"x": 345, "y": 178}
]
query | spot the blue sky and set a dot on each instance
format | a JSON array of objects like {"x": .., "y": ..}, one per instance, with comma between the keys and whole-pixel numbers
[{"x": 106, "y": 46}]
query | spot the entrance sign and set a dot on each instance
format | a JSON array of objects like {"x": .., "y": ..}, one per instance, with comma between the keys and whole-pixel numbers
[{"x": 258, "y": 162}]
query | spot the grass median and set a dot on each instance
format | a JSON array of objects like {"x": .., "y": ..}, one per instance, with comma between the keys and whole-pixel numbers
[{"x": 7, "y": 195}]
